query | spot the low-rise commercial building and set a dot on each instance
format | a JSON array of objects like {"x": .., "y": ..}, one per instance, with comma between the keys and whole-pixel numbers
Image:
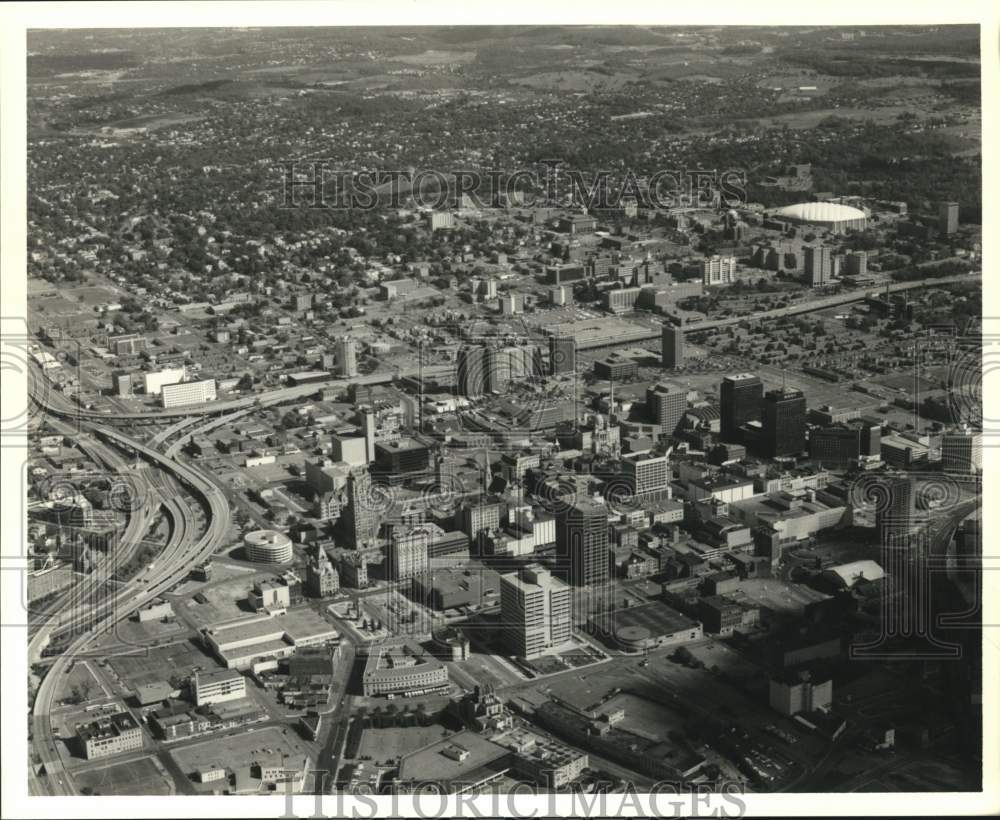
[
  {"x": 400, "y": 669},
  {"x": 724, "y": 616},
  {"x": 217, "y": 687},
  {"x": 110, "y": 735}
]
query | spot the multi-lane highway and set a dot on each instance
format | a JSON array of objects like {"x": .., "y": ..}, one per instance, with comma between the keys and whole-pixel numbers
[
  {"x": 59, "y": 405},
  {"x": 184, "y": 549},
  {"x": 64, "y": 607},
  {"x": 827, "y": 302}
]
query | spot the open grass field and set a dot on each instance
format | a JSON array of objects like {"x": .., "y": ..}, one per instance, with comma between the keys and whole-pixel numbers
[
  {"x": 57, "y": 305},
  {"x": 82, "y": 678},
  {"x": 90, "y": 296}
]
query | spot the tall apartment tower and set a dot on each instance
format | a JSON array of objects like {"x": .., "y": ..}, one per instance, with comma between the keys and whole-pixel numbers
[
  {"x": 562, "y": 355},
  {"x": 818, "y": 265},
  {"x": 856, "y": 263},
  {"x": 347, "y": 357},
  {"x": 535, "y": 610},
  {"x": 582, "y": 539},
  {"x": 666, "y": 405},
  {"x": 718, "y": 270},
  {"x": 948, "y": 217},
  {"x": 673, "y": 346},
  {"x": 784, "y": 423},
  {"x": 740, "y": 398}
]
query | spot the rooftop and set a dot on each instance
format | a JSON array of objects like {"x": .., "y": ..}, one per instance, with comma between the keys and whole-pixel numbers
[
  {"x": 452, "y": 758},
  {"x": 820, "y": 212}
]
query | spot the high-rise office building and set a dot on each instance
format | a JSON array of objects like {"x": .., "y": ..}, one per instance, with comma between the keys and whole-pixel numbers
[
  {"x": 368, "y": 426},
  {"x": 535, "y": 610},
  {"x": 740, "y": 397},
  {"x": 484, "y": 368},
  {"x": 352, "y": 450},
  {"x": 818, "y": 264},
  {"x": 784, "y": 423},
  {"x": 948, "y": 217},
  {"x": 871, "y": 436},
  {"x": 666, "y": 405},
  {"x": 358, "y": 523},
  {"x": 646, "y": 474},
  {"x": 582, "y": 540},
  {"x": 472, "y": 371},
  {"x": 500, "y": 366},
  {"x": 408, "y": 553},
  {"x": 562, "y": 355},
  {"x": 836, "y": 447},
  {"x": 894, "y": 513},
  {"x": 673, "y": 346},
  {"x": 962, "y": 452}
]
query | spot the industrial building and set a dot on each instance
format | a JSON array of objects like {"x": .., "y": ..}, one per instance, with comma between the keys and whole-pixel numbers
[
  {"x": 266, "y": 637},
  {"x": 796, "y": 691}
]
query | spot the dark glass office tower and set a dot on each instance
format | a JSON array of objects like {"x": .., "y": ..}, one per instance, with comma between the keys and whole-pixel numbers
[
  {"x": 741, "y": 396},
  {"x": 672, "y": 342},
  {"x": 582, "y": 539},
  {"x": 562, "y": 354},
  {"x": 784, "y": 423}
]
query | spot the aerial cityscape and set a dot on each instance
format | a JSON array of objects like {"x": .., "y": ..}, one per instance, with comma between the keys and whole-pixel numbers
[{"x": 574, "y": 409}]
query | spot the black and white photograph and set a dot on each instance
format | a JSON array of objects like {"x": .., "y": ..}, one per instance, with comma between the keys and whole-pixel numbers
[{"x": 420, "y": 412}]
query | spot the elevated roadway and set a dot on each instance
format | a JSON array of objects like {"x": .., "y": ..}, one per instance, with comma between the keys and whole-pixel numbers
[{"x": 184, "y": 550}]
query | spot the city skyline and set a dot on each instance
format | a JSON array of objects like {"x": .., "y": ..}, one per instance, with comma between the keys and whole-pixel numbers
[{"x": 575, "y": 409}]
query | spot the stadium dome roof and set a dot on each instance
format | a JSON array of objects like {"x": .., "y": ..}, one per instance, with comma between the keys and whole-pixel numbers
[{"x": 820, "y": 212}]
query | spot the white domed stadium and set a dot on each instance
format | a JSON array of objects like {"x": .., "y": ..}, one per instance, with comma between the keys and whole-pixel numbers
[
  {"x": 830, "y": 215},
  {"x": 268, "y": 547}
]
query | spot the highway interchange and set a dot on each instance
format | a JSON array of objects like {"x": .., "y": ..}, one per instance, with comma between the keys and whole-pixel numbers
[{"x": 163, "y": 481}]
